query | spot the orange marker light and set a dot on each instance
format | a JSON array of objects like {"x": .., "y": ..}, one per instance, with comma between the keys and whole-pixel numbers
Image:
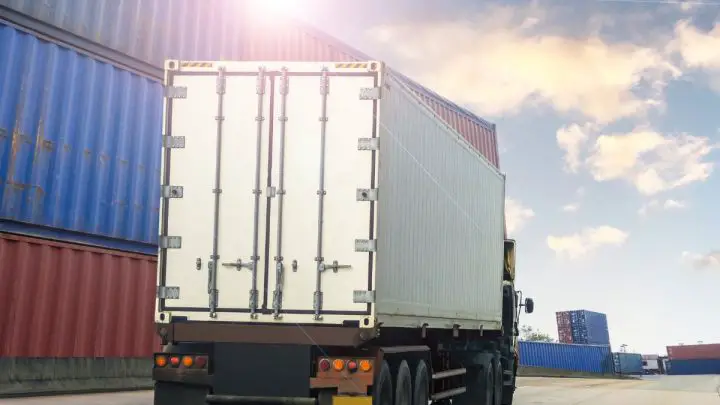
[
  {"x": 187, "y": 361},
  {"x": 161, "y": 361},
  {"x": 338, "y": 364},
  {"x": 365, "y": 366}
]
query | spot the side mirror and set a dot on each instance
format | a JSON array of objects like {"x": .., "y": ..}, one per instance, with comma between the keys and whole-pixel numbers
[{"x": 529, "y": 305}]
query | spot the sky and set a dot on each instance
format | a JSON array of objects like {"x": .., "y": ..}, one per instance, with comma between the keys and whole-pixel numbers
[{"x": 609, "y": 133}]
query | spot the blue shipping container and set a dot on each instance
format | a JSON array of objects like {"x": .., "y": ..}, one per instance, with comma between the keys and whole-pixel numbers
[
  {"x": 628, "y": 363},
  {"x": 589, "y": 327},
  {"x": 693, "y": 367},
  {"x": 79, "y": 146},
  {"x": 584, "y": 358}
]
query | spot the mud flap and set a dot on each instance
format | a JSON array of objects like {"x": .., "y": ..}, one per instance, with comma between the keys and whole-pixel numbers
[{"x": 179, "y": 394}]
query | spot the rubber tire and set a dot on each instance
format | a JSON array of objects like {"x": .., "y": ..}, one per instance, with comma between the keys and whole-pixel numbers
[
  {"x": 421, "y": 385},
  {"x": 383, "y": 386},
  {"x": 507, "y": 396},
  {"x": 498, "y": 378},
  {"x": 479, "y": 384},
  {"x": 403, "y": 385}
]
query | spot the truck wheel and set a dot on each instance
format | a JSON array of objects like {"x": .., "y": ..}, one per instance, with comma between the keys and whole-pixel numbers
[
  {"x": 421, "y": 387},
  {"x": 479, "y": 383},
  {"x": 507, "y": 396},
  {"x": 498, "y": 387},
  {"x": 383, "y": 386},
  {"x": 403, "y": 386}
]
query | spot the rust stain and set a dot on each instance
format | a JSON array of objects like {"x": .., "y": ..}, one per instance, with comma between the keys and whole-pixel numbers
[
  {"x": 67, "y": 148},
  {"x": 40, "y": 142},
  {"x": 104, "y": 158},
  {"x": 86, "y": 153}
]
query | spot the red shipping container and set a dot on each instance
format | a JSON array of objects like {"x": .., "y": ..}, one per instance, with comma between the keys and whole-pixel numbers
[
  {"x": 694, "y": 352},
  {"x": 565, "y": 335},
  {"x": 64, "y": 300}
]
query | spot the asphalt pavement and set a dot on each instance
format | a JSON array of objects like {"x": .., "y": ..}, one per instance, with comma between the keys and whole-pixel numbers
[{"x": 660, "y": 390}]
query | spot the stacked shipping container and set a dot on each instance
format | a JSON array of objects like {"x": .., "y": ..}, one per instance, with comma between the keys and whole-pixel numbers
[
  {"x": 583, "y": 327},
  {"x": 694, "y": 359},
  {"x": 564, "y": 325},
  {"x": 80, "y": 132},
  {"x": 569, "y": 357}
]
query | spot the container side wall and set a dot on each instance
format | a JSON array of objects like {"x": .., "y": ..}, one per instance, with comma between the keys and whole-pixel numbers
[
  {"x": 693, "y": 367},
  {"x": 628, "y": 363},
  {"x": 63, "y": 300},
  {"x": 79, "y": 143},
  {"x": 440, "y": 221},
  {"x": 689, "y": 352},
  {"x": 573, "y": 357}
]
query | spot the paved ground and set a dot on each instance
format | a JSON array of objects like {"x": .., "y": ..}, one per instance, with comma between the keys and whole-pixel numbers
[
  {"x": 663, "y": 390},
  {"x": 660, "y": 390}
]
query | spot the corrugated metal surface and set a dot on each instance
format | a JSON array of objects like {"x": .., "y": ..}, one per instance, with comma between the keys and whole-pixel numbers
[
  {"x": 693, "y": 367},
  {"x": 62, "y": 300},
  {"x": 564, "y": 325},
  {"x": 589, "y": 327},
  {"x": 153, "y": 30},
  {"x": 587, "y": 358},
  {"x": 79, "y": 144},
  {"x": 628, "y": 363},
  {"x": 441, "y": 207},
  {"x": 687, "y": 352}
]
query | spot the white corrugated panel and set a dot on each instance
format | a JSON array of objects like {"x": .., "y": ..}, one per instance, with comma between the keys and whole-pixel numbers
[{"x": 440, "y": 222}]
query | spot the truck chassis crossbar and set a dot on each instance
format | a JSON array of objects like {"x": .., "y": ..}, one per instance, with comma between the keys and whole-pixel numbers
[{"x": 235, "y": 399}]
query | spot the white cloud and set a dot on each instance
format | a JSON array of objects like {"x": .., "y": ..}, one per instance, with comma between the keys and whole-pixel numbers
[
  {"x": 571, "y": 207},
  {"x": 700, "y": 261},
  {"x": 652, "y": 162},
  {"x": 657, "y": 205},
  {"x": 497, "y": 63},
  {"x": 572, "y": 139},
  {"x": 516, "y": 215},
  {"x": 580, "y": 244}
]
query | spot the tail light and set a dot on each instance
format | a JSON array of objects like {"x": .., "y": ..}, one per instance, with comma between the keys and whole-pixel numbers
[
  {"x": 161, "y": 360},
  {"x": 326, "y": 365},
  {"x": 181, "y": 361}
]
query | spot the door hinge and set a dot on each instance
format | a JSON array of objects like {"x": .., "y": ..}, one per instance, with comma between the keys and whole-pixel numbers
[
  {"x": 168, "y": 293},
  {"x": 173, "y": 142},
  {"x": 170, "y": 242},
  {"x": 368, "y": 143},
  {"x": 175, "y": 92},
  {"x": 172, "y": 191},
  {"x": 366, "y": 194},
  {"x": 365, "y": 245},
  {"x": 370, "y": 93},
  {"x": 363, "y": 297}
]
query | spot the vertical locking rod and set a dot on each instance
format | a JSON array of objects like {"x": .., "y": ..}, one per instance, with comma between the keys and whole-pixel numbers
[{"x": 318, "y": 295}]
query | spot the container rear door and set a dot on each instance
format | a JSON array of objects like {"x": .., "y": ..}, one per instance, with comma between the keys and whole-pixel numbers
[{"x": 277, "y": 207}]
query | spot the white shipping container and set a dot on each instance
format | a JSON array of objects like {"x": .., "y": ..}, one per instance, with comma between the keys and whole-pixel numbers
[{"x": 322, "y": 193}]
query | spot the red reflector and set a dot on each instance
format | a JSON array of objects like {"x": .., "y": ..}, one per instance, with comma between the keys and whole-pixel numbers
[
  {"x": 200, "y": 361},
  {"x": 174, "y": 361},
  {"x": 324, "y": 365},
  {"x": 352, "y": 365}
]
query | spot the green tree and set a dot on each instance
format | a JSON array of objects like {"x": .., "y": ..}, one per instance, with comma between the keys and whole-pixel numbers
[{"x": 527, "y": 333}]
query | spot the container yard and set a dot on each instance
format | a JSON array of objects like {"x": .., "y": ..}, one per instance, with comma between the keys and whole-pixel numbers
[
  {"x": 80, "y": 147},
  {"x": 582, "y": 327}
]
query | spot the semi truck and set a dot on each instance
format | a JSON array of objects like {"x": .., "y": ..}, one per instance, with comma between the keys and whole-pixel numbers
[{"x": 326, "y": 238}]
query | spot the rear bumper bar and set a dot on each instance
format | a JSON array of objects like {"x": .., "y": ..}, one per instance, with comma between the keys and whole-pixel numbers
[{"x": 235, "y": 399}]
